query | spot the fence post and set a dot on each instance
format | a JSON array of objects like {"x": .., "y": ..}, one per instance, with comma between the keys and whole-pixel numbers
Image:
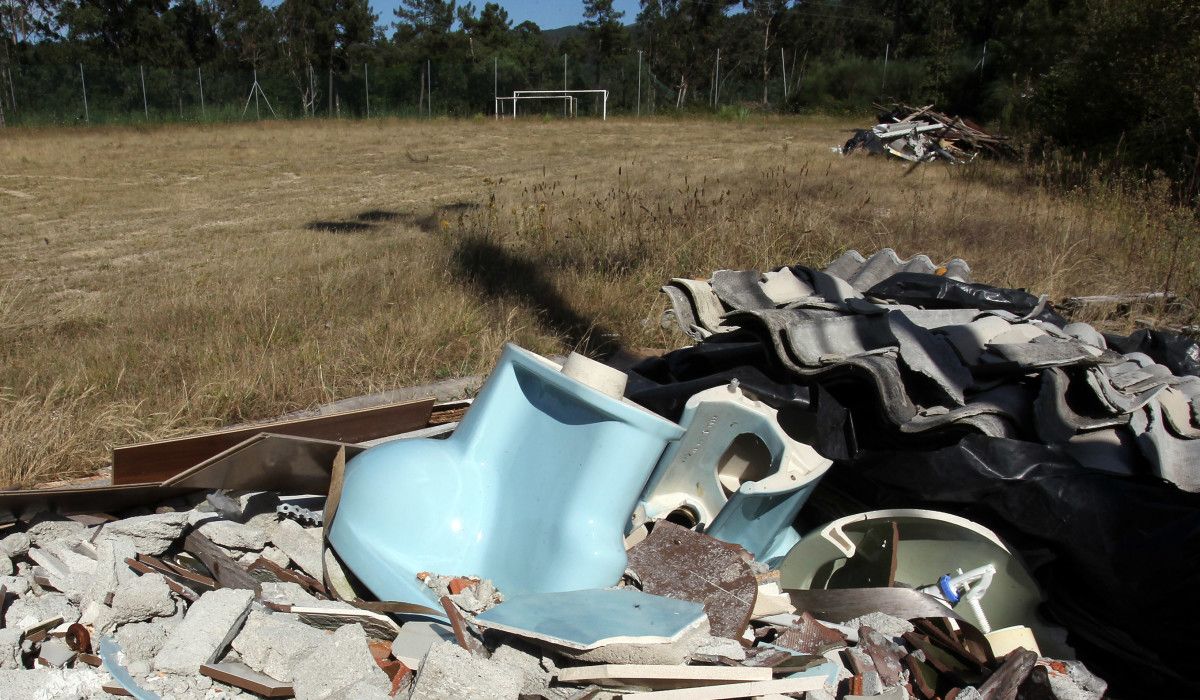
[
  {"x": 87, "y": 117},
  {"x": 200, "y": 79},
  {"x": 496, "y": 86},
  {"x": 783, "y": 70},
  {"x": 639, "y": 99},
  {"x": 367, "y": 88},
  {"x": 12, "y": 94},
  {"x": 429, "y": 86},
  {"x": 330, "y": 90},
  {"x": 883, "y": 85},
  {"x": 145, "y": 104}
]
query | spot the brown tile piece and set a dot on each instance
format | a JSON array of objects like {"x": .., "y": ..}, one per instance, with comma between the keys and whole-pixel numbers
[
  {"x": 677, "y": 563},
  {"x": 810, "y": 637},
  {"x": 883, "y": 655},
  {"x": 241, "y": 676}
]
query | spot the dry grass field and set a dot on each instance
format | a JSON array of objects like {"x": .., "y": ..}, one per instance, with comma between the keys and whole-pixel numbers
[{"x": 164, "y": 280}]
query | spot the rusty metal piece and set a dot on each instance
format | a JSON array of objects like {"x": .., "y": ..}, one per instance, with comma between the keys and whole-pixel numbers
[
  {"x": 886, "y": 659},
  {"x": 677, "y": 563},
  {"x": 810, "y": 637},
  {"x": 79, "y": 639}
]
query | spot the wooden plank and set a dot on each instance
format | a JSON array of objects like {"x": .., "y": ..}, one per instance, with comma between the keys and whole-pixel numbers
[
  {"x": 667, "y": 676},
  {"x": 89, "y": 500},
  {"x": 224, "y": 569},
  {"x": 735, "y": 690},
  {"x": 161, "y": 460}
]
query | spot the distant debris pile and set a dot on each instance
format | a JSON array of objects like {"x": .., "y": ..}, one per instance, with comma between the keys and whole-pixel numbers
[{"x": 923, "y": 134}]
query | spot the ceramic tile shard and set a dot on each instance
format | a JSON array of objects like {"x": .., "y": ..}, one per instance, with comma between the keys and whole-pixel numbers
[{"x": 678, "y": 563}]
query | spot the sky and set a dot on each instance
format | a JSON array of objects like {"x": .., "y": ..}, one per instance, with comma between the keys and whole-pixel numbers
[{"x": 548, "y": 14}]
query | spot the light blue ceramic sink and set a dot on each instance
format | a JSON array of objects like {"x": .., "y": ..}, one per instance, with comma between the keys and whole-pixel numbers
[{"x": 532, "y": 490}]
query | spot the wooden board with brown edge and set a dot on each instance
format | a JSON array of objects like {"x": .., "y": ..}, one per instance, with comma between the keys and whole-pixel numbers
[
  {"x": 265, "y": 570},
  {"x": 267, "y": 462},
  {"x": 163, "y": 459},
  {"x": 667, "y": 561},
  {"x": 194, "y": 579},
  {"x": 242, "y": 676},
  {"x": 227, "y": 572},
  {"x": 376, "y": 625}
]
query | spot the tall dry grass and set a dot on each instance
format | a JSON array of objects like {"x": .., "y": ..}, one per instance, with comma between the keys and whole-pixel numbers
[{"x": 164, "y": 280}]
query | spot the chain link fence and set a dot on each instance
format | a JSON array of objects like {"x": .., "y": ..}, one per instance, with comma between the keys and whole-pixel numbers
[{"x": 82, "y": 94}]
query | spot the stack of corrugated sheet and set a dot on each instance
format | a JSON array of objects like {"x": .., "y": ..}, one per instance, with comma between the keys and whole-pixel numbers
[{"x": 939, "y": 352}]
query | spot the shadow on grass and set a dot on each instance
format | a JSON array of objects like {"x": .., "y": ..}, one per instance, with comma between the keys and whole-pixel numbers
[
  {"x": 497, "y": 273},
  {"x": 372, "y": 218}
]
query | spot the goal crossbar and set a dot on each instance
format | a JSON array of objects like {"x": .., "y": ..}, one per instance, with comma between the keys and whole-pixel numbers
[
  {"x": 572, "y": 102},
  {"x": 602, "y": 93}
]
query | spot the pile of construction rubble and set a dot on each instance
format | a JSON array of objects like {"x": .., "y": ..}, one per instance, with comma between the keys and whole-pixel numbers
[
  {"x": 923, "y": 134},
  {"x": 880, "y": 479}
]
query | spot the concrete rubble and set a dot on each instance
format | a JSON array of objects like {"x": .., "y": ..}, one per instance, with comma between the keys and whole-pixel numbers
[{"x": 244, "y": 592}]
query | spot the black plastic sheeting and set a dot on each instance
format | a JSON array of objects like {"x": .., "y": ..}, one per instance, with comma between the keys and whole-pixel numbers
[
  {"x": 1117, "y": 557},
  {"x": 940, "y": 292},
  {"x": 1177, "y": 353},
  {"x": 664, "y": 384}
]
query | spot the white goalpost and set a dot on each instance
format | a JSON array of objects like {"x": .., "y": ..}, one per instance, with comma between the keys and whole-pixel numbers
[
  {"x": 571, "y": 102},
  {"x": 569, "y": 96}
]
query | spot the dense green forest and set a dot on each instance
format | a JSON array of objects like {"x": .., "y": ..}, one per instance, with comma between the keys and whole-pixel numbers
[{"x": 1112, "y": 77}]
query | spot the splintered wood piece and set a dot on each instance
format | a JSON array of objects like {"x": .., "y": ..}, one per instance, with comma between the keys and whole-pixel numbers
[
  {"x": 166, "y": 568},
  {"x": 227, "y": 572},
  {"x": 677, "y": 563}
]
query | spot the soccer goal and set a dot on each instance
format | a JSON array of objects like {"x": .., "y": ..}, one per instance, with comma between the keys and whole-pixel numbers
[{"x": 569, "y": 96}]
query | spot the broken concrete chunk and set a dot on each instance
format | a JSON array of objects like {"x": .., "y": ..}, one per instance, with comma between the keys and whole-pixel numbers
[
  {"x": 449, "y": 671},
  {"x": 205, "y": 631},
  {"x": 415, "y": 639},
  {"x": 16, "y": 544},
  {"x": 6, "y": 565},
  {"x": 16, "y": 585},
  {"x": 10, "y": 648},
  {"x": 111, "y": 570},
  {"x": 48, "y": 527},
  {"x": 51, "y": 683},
  {"x": 300, "y": 546},
  {"x": 287, "y": 593},
  {"x": 150, "y": 534},
  {"x": 146, "y": 598},
  {"x": 885, "y": 624},
  {"x": 141, "y": 641},
  {"x": 537, "y": 677},
  {"x": 274, "y": 643},
  {"x": 29, "y": 610},
  {"x": 234, "y": 535},
  {"x": 340, "y": 667}
]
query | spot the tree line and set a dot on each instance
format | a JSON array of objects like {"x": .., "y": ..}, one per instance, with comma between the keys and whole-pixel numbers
[{"x": 1113, "y": 76}]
